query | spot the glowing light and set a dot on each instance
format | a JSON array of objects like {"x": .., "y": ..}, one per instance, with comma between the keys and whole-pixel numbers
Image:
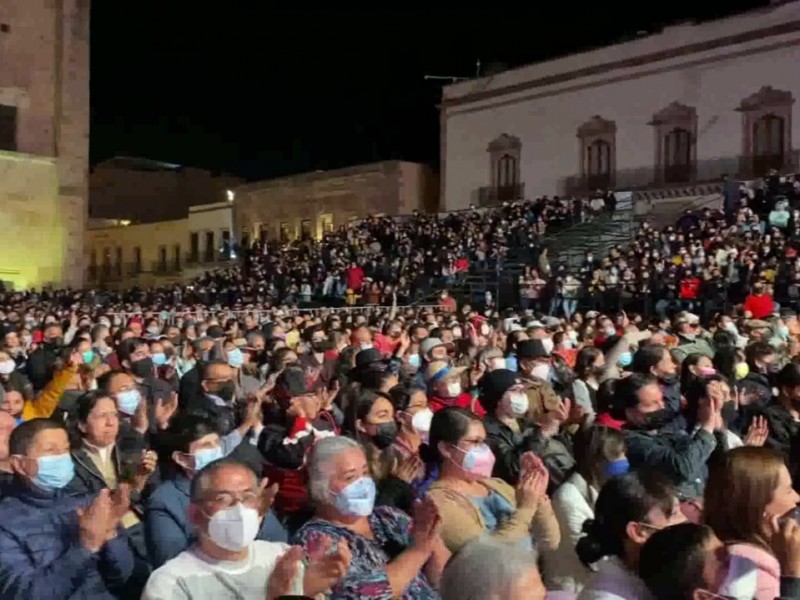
[{"x": 231, "y": 195}]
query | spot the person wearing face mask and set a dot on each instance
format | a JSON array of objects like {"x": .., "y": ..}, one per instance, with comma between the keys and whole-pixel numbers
[
  {"x": 42, "y": 361},
  {"x": 134, "y": 357},
  {"x": 630, "y": 508},
  {"x": 535, "y": 367},
  {"x": 246, "y": 385},
  {"x": 315, "y": 360},
  {"x": 694, "y": 559},
  {"x": 404, "y": 559},
  {"x": 508, "y": 432},
  {"x": 225, "y": 511},
  {"x": 759, "y": 384},
  {"x": 656, "y": 361},
  {"x": 445, "y": 389},
  {"x": 299, "y": 418},
  {"x": 414, "y": 425},
  {"x": 56, "y": 544},
  {"x": 193, "y": 444},
  {"x": 472, "y": 504},
  {"x": 651, "y": 444}
]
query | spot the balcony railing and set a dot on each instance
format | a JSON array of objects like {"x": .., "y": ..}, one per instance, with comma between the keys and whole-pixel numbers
[
  {"x": 220, "y": 258},
  {"x": 491, "y": 195},
  {"x": 702, "y": 171}
]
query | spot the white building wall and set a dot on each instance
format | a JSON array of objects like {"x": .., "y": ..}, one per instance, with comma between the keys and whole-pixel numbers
[{"x": 546, "y": 117}]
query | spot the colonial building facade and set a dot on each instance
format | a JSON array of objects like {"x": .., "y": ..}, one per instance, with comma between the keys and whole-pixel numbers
[
  {"x": 44, "y": 140},
  {"x": 689, "y": 104},
  {"x": 309, "y": 204}
]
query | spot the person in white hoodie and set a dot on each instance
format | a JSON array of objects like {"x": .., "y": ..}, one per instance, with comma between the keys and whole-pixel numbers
[
  {"x": 600, "y": 455},
  {"x": 629, "y": 509}
]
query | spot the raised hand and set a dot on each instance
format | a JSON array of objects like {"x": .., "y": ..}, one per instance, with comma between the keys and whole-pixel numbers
[
  {"x": 164, "y": 410},
  {"x": 327, "y": 565},
  {"x": 757, "y": 433},
  {"x": 281, "y": 580},
  {"x": 267, "y": 495},
  {"x": 408, "y": 468},
  {"x": 141, "y": 420},
  {"x": 427, "y": 523},
  {"x": 96, "y": 521}
]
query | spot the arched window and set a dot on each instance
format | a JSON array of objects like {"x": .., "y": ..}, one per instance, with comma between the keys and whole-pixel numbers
[
  {"x": 767, "y": 131},
  {"x": 597, "y": 140},
  {"x": 676, "y": 130},
  {"x": 504, "y": 160},
  {"x": 768, "y": 143},
  {"x": 506, "y": 171},
  {"x": 677, "y": 156}
]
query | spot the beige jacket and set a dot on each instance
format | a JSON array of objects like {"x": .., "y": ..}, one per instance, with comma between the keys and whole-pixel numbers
[{"x": 462, "y": 521}]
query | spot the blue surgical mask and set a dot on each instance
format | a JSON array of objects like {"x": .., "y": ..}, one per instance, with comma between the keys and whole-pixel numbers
[
  {"x": 625, "y": 359},
  {"x": 206, "y": 456},
  {"x": 414, "y": 360},
  {"x": 616, "y": 467},
  {"x": 235, "y": 358},
  {"x": 55, "y": 472},
  {"x": 128, "y": 401},
  {"x": 88, "y": 357},
  {"x": 357, "y": 499},
  {"x": 783, "y": 332},
  {"x": 159, "y": 359},
  {"x": 153, "y": 331}
]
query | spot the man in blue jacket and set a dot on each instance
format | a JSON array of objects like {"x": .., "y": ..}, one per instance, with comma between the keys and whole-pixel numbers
[{"x": 53, "y": 545}]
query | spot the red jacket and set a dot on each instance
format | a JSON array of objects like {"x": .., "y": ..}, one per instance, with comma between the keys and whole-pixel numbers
[
  {"x": 464, "y": 400},
  {"x": 760, "y": 306}
]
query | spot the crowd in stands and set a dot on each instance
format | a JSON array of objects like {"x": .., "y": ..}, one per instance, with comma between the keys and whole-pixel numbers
[{"x": 639, "y": 442}]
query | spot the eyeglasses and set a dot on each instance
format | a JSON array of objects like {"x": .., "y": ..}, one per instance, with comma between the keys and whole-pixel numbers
[{"x": 249, "y": 498}]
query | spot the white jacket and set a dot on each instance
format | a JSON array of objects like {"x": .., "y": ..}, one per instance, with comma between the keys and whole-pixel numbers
[{"x": 573, "y": 503}]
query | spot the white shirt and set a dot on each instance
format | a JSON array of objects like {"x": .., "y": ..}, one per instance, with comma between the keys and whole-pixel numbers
[{"x": 194, "y": 576}]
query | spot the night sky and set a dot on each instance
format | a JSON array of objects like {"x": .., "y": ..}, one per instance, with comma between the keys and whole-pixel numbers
[{"x": 264, "y": 93}]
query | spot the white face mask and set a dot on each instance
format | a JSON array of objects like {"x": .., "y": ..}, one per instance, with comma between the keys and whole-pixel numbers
[
  {"x": 457, "y": 333},
  {"x": 518, "y": 402},
  {"x": 497, "y": 363},
  {"x": 548, "y": 344},
  {"x": 234, "y": 528},
  {"x": 421, "y": 422},
  {"x": 365, "y": 345},
  {"x": 541, "y": 371},
  {"x": 741, "y": 581},
  {"x": 454, "y": 389},
  {"x": 7, "y": 367}
]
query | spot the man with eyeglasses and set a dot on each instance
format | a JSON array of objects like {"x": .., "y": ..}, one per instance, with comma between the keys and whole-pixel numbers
[{"x": 227, "y": 505}]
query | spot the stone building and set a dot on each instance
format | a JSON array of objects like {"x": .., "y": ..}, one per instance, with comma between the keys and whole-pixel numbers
[
  {"x": 122, "y": 253},
  {"x": 685, "y": 105},
  {"x": 44, "y": 140},
  {"x": 142, "y": 190},
  {"x": 311, "y": 203}
]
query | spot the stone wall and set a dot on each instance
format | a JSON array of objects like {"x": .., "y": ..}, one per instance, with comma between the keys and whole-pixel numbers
[
  {"x": 314, "y": 199},
  {"x": 45, "y": 75},
  {"x": 141, "y": 191},
  {"x": 31, "y": 214}
]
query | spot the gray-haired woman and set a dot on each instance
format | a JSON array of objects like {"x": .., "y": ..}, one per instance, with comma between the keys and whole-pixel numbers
[
  {"x": 391, "y": 556},
  {"x": 492, "y": 569}
]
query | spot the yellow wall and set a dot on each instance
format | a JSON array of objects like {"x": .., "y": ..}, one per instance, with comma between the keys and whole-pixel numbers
[
  {"x": 34, "y": 237},
  {"x": 149, "y": 237}
]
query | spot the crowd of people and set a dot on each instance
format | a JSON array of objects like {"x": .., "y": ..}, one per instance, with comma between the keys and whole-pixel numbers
[{"x": 209, "y": 442}]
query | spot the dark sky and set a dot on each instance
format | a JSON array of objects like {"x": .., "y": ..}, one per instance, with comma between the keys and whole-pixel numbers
[{"x": 263, "y": 93}]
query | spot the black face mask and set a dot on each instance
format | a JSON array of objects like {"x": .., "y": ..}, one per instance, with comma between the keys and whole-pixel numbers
[
  {"x": 387, "y": 433},
  {"x": 321, "y": 346},
  {"x": 54, "y": 344},
  {"x": 658, "y": 419},
  {"x": 226, "y": 391},
  {"x": 142, "y": 368}
]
